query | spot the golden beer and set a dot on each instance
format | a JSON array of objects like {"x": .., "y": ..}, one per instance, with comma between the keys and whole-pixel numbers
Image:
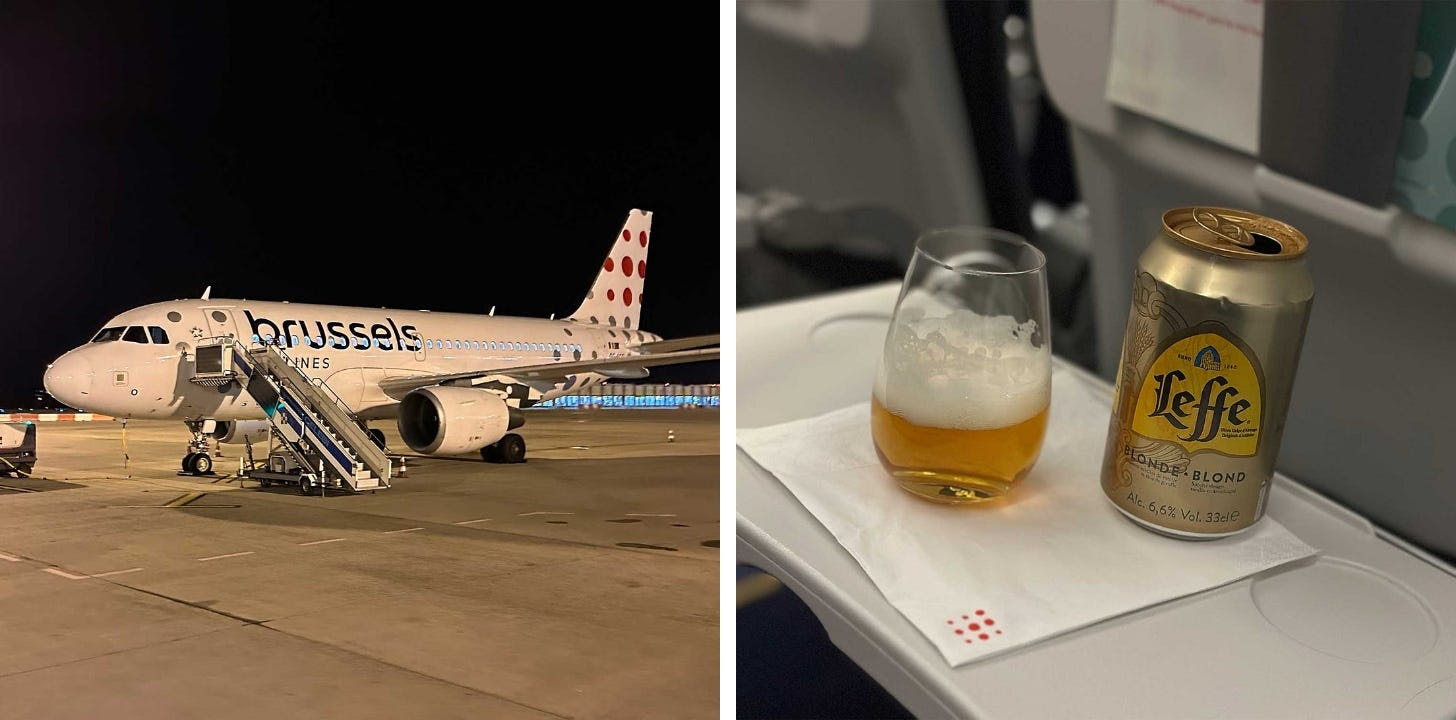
[
  {"x": 955, "y": 464},
  {"x": 960, "y": 399}
]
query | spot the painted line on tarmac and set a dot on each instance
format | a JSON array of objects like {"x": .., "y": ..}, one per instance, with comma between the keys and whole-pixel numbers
[
  {"x": 9, "y": 558},
  {"x": 184, "y": 500},
  {"x": 181, "y": 500},
  {"x": 321, "y": 542},
  {"x": 118, "y": 572},
  {"x": 544, "y": 512},
  {"x": 392, "y": 532},
  {"x": 472, "y": 522},
  {"x": 650, "y": 514},
  {"x": 220, "y": 557},
  {"x": 64, "y": 574}
]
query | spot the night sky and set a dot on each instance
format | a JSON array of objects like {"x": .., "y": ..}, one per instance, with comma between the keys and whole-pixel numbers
[{"x": 150, "y": 151}]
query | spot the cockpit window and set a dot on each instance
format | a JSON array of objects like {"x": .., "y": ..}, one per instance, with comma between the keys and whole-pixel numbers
[
  {"x": 159, "y": 336},
  {"x": 111, "y": 334},
  {"x": 135, "y": 334}
]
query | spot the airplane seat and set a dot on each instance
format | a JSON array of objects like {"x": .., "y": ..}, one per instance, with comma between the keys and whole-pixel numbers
[{"x": 1375, "y": 381}]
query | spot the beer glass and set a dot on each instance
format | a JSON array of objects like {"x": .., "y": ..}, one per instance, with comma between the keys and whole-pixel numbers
[{"x": 964, "y": 382}]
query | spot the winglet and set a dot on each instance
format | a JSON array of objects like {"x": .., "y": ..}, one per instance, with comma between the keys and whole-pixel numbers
[{"x": 207, "y": 294}]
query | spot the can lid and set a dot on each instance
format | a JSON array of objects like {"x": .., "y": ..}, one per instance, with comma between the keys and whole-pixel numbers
[{"x": 1235, "y": 233}]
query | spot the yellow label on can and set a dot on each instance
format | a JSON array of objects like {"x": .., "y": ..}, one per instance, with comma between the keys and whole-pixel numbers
[{"x": 1202, "y": 393}]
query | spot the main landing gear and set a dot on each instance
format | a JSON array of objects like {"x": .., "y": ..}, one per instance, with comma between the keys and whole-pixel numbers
[
  {"x": 508, "y": 450},
  {"x": 198, "y": 460}
]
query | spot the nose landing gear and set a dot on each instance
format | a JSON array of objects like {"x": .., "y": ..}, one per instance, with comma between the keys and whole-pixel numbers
[{"x": 198, "y": 460}]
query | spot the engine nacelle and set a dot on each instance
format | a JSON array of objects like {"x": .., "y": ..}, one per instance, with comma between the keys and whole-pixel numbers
[
  {"x": 241, "y": 431},
  {"x": 445, "y": 420}
]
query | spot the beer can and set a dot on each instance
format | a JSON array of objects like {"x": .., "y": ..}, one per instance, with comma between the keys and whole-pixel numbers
[{"x": 1220, "y": 303}]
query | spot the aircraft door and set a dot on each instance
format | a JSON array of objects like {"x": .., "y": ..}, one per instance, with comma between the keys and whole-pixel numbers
[{"x": 220, "y": 322}]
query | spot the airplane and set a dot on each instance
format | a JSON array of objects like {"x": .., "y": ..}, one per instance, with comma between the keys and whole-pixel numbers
[{"x": 455, "y": 383}]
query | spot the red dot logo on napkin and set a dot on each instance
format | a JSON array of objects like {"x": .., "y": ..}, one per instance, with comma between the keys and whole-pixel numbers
[{"x": 973, "y": 627}]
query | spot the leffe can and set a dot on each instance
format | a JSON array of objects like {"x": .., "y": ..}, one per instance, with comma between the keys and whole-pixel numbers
[{"x": 1220, "y": 302}]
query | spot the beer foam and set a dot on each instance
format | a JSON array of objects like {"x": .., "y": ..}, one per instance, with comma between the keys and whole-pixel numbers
[{"x": 964, "y": 371}]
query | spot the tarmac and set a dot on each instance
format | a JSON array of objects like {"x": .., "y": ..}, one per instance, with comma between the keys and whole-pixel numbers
[{"x": 582, "y": 583}]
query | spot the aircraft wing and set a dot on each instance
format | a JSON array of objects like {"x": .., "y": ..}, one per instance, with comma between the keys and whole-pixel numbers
[
  {"x": 687, "y": 343},
  {"x": 398, "y": 387}
]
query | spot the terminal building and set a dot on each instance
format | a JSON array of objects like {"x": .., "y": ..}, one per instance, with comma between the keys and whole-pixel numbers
[{"x": 629, "y": 395}]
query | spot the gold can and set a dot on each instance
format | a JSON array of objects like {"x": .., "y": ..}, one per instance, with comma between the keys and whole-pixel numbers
[{"x": 1220, "y": 303}]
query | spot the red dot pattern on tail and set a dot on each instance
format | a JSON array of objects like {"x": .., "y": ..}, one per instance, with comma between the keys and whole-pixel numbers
[
  {"x": 611, "y": 294},
  {"x": 627, "y": 296},
  {"x": 981, "y": 622},
  {"x": 626, "y": 235},
  {"x": 642, "y": 268},
  {"x": 642, "y": 237},
  {"x": 627, "y": 265},
  {"x": 610, "y": 266}
]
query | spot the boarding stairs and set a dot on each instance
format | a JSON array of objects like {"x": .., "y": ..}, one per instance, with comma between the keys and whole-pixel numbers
[{"x": 321, "y": 438}]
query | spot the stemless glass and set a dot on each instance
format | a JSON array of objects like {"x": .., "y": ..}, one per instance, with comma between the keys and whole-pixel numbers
[{"x": 961, "y": 396}]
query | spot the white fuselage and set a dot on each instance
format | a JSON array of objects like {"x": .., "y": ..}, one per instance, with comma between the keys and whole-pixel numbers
[{"x": 145, "y": 373}]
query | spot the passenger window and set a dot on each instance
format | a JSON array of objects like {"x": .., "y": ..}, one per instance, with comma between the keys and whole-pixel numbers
[
  {"x": 111, "y": 334},
  {"x": 159, "y": 336},
  {"x": 135, "y": 334},
  {"x": 430, "y": 344}
]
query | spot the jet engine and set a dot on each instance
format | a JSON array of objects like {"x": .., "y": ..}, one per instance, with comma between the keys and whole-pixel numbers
[
  {"x": 241, "y": 431},
  {"x": 445, "y": 420}
]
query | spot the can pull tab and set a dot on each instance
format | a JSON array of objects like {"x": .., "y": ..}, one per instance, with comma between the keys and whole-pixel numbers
[
  {"x": 1232, "y": 231},
  {"x": 1223, "y": 227}
]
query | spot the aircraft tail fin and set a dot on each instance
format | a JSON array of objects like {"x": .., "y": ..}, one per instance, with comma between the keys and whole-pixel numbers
[{"x": 615, "y": 299}]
